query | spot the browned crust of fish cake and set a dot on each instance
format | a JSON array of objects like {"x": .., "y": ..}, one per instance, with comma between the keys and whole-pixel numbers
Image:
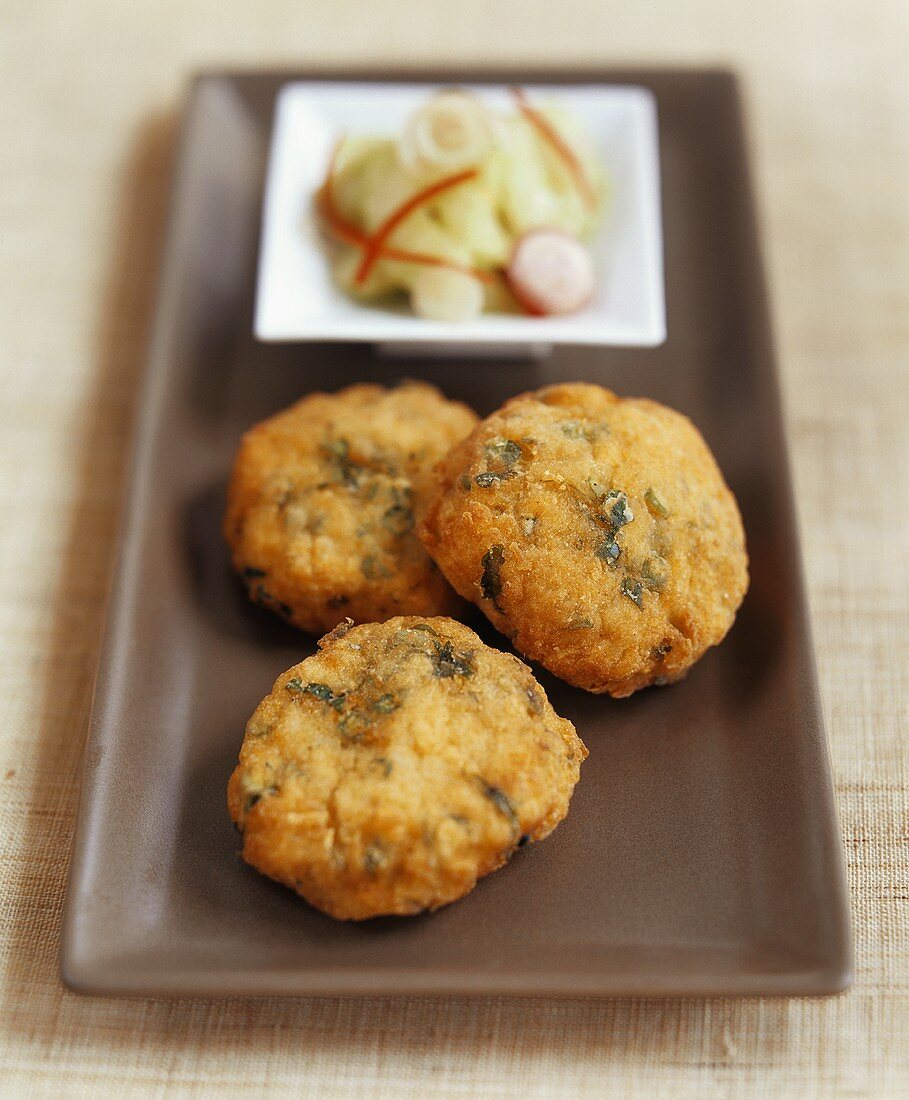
[
  {"x": 596, "y": 532},
  {"x": 390, "y": 771},
  {"x": 322, "y": 504}
]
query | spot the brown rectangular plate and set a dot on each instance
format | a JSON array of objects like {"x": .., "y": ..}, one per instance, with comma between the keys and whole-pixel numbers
[{"x": 702, "y": 853}]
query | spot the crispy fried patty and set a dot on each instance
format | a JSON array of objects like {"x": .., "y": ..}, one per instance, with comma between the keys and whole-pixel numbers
[
  {"x": 322, "y": 501},
  {"x": 401, "y": 763},
  {"x": 596, "y": 532}
]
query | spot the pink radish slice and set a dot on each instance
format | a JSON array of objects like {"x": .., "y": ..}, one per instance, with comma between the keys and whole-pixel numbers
[{"x": 550, "y": 272}]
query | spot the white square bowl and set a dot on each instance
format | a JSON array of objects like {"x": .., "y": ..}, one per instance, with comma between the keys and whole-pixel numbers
[{"x": 298, "y": 300}]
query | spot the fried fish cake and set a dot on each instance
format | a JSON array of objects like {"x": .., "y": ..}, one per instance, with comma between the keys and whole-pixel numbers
[
  {"x": 321, "y": 505},
  {"x": 398, "y": 765},
  {"x": 596, "y": 532}
]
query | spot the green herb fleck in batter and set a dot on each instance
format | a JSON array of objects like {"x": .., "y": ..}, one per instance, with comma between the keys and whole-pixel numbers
[
  {"x": 490, "y": 477},
  {"x": 504, "y": 451},
  {"x": 633, "y": 590},
  {"x": 491, "y": 581},
  {"x": 254, "y": 797},
  {"x": 655, "y": 573},
  {"x": 620, "y": 513},
  {"x": 448, "y": 663},
  {"x": 398, "y": 519},
  {"x": 346, "y": 470},
  {"x": 319, "y": 691},
  {"x": 503, "y": 804},
  {"x": 385, "y": 704},
  {"x": 608, "y": 550},
  {"x": 373, "y": 569}
]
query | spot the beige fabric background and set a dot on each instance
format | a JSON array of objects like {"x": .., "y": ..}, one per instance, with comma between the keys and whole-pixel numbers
[{"x": 87, "y": 95}]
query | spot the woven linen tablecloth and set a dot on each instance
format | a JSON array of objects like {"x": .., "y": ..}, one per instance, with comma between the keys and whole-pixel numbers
[{"x": 88, "y": 93}]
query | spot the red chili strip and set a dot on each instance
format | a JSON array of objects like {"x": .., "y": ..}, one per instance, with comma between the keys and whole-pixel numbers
[
  {"x": 377, "y": 241},
  {"x": 349, "y": 233},
  {"x": 344, "y": 231},
  {"x": 561, "y": 148}
]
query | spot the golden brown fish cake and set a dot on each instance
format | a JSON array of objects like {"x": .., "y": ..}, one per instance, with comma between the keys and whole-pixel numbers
[
  {"x": 322, "y": 500},
  {"x": 390, "y": 771},
  {"x": 596, "y": 532}
]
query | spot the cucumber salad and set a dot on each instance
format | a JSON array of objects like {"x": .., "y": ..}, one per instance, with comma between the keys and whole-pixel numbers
[{"x": 467, "y": 210}]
